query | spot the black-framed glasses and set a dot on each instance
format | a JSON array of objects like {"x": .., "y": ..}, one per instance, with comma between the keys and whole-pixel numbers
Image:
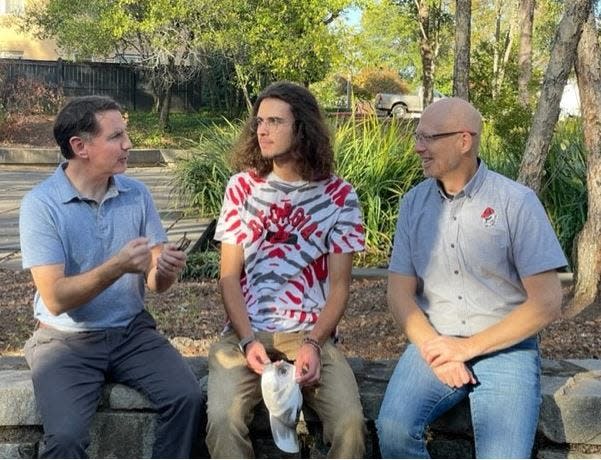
[
  {"x": 183, "y": 243},
  {"x": 425, "y": 138},
  {"x": 272, "y": 123}
]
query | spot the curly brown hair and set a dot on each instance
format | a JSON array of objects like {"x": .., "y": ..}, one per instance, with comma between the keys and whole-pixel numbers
[{"x": 311, "y": 147}]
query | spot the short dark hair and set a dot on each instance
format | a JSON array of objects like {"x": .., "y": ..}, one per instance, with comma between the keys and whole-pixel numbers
[
  {"x": 78, "y": 117},
  {"x": 311, "y": 146}
]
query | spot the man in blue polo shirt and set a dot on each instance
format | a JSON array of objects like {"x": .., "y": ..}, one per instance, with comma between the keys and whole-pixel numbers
[
  {"x": 472, "y": 280},
  {"x": 92, "y": 239}
]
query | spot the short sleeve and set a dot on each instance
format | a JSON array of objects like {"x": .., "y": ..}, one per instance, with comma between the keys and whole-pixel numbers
[
  {"x": 231, "y": 227},
  {"x": 348, "y": 233},
  {"x": 400, "y": 261},
  {"x": 39, "y": 235},
  {"x": 535, "y": 245}
]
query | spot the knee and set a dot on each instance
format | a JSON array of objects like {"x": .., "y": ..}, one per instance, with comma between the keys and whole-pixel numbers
[
  {"x": 192, "y": 397},
  {"x": 184, "y": 399},
  {"x": 66, "y": 444},
  {"x": 352, "y": 423},
  {"x": 224, "y": 416},
  {"x": 391, "y": 428}
]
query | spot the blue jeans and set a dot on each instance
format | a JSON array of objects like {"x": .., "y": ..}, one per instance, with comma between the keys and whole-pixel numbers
[{"x": 504, "y": 403}]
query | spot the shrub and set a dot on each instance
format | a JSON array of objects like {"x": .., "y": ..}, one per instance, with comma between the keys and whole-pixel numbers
[
  {"x": 27, "y": 96},
  {"x": 371, "y": 81}
]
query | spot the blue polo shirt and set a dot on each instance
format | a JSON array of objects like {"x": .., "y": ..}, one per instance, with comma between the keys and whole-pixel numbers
[
  {"x": 470, "y": 252},
  {"x": 58, "y": 227}
]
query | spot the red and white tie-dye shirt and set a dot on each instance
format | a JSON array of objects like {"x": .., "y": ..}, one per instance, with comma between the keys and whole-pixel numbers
[{"x": 287, "y": 230}]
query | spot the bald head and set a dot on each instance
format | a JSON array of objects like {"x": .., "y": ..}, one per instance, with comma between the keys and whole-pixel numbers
[{"x": 453, "y": 114}]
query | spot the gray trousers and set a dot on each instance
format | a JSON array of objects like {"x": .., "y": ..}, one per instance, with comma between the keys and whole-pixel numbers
[{"x": 69, "y": 370}]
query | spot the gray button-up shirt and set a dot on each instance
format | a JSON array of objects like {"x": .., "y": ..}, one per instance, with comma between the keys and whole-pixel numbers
[{"x": 470, "y": 252}]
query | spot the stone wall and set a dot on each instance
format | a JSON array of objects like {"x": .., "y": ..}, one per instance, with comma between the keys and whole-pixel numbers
[{"x": 569, "y": 426}]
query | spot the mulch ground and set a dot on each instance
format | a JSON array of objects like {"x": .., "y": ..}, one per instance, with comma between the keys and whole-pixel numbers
[{"x": 191, "y": 315}]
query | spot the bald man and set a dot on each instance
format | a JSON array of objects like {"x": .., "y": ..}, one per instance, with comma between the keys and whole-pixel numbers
[{"x": 472, "y": 280}]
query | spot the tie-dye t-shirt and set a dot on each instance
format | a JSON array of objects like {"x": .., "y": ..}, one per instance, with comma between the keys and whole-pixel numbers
[{"x": 287, "y": 230}]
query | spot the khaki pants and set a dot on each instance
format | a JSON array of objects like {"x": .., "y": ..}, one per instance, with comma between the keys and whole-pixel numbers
[{"x": 234, "y": 391}]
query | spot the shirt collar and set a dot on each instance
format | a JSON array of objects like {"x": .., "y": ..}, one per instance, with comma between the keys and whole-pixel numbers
[
  {"x": 472, "y": 187},
  {"x": 68, "y": 192}
]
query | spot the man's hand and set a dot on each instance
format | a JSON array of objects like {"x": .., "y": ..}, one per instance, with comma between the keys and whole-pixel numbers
[
  {"x": 308, "y": 365},
  {"x": 454, "y": 374},
  {"x": 444, "y": 349},
  {"x": 135, "y": 256},
  {"x": 171, "y": 262},
  {"x": 256, "y": 357}
]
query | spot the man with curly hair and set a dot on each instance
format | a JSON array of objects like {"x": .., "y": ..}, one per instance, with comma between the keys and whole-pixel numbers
[{"x": 288, "y": 230}]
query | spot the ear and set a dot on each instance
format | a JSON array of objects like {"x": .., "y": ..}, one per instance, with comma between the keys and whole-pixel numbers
[
  {"x": 467, "y": 141},
  {"x": 78, "y": 146}
]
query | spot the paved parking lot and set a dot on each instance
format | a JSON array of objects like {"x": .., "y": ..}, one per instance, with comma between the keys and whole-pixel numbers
[{"x": 15, "y": 181}]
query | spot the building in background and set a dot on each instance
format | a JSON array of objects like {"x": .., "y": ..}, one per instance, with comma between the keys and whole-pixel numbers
[{"x": 15, "y": 44}]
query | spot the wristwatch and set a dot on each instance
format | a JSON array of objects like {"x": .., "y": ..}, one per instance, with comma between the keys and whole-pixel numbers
[{"x": 244, "y": 342}]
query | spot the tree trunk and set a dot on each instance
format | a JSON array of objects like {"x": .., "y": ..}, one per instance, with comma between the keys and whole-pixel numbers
[
  {"x": 165, "y": 108},
  {"x": 556, "y": 76},
  {"x": 461, "y": 70},
  {"x": 587, "y": 246},
  {"x": 242, "y": 80},
  {"x": 427, "y": 51},
  {"x": 525, "y": 53}
]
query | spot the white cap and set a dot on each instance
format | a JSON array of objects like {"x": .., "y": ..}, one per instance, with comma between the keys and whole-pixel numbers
[{"x": 284, "y": 400}]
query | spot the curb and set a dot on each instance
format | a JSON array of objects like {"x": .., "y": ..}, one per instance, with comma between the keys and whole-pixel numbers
[{"x": 44, "y": 156}]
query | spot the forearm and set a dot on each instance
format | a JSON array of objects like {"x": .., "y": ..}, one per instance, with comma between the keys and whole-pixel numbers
[
  {"x": 542, "y": 306},
  {"x": 159, "y": 282},
  {"x": 71, "y": 292},
  {"x": 235, "y": 305},
  {"x": 405, "y": 311},
  {"x": 330, "y": 315},
  {"x": 525, "y": 321}
]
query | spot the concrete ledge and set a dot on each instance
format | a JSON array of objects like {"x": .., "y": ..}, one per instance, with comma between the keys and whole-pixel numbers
[
  {"x": 42, "y": 156},
  {"x": 569, "y": 424}
]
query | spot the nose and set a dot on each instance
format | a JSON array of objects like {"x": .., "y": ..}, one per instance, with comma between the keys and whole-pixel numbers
[
  {"x": 420, "y": 146},
  {"x": 127, "y": 143},
  {"x": 262, "y": 129}
]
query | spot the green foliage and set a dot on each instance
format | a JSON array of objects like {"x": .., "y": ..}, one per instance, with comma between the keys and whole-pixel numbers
[
  {"x": 563, "y": 191},
  {"x": 185, "y": 129},
  {"x": 200, "y": 179},
  {"x": 378, "y": 158},
  {"x": 202, "y": 265}
]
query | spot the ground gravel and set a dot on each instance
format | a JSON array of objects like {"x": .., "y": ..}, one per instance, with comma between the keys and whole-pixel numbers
[{"x": 191, "y": 315}]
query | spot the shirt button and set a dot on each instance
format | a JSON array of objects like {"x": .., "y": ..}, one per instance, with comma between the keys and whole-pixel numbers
[
  {"x": 460, "y": 297},
  {"x": 456, "y": 272},
  {"x": 462, "y": 322},
  {"x": 452, "y": 245},
  {"x": 454, "y": 218}
]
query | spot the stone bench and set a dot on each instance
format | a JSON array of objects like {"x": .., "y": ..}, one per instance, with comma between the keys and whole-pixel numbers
[{"x": 569, "y": 425}]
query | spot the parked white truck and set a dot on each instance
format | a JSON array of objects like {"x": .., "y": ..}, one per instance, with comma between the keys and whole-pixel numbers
[{"x": 403, "y": 105}]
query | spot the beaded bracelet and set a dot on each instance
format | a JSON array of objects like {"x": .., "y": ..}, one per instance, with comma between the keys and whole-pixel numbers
[{"x": 314, "y": 343}]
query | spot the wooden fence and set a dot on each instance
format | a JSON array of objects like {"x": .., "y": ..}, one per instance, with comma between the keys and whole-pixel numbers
[{"x": 123, "y": 82}]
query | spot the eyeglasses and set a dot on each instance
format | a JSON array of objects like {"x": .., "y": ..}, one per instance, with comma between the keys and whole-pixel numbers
[
  {"x": 426, "y": 138},
  {"x": 272, "y": 123},
  {"x": 183, "y": 243}
]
